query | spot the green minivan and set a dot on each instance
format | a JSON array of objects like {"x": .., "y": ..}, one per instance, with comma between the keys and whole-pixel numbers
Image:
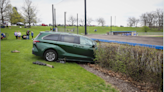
[{"x": 59, "y": 45}]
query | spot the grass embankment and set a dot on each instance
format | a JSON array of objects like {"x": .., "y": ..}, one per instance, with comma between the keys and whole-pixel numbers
[
  {"x": 90, "y": 29},
  {"x": 142, "y": 64},
  {"x": 104, "y": 30},
  {"x": 18, "y": 74},
  {"x": 100, "y": 30}
]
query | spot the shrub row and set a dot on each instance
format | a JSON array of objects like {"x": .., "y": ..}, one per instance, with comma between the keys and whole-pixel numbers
[{"x": 142, "y": 64}]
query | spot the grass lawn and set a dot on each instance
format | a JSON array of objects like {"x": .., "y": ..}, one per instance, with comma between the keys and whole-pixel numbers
[{"x": 18, "y": 74}]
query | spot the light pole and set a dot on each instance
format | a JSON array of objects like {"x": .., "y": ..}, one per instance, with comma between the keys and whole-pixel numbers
[
  {"x": 85, "y": 17},
  {"x": 111, "y": 23},
  {"x": 64, "y": 21},
  {"x": 115, "y": 21},
  {"x": 55, "y": 21},
  {"x": 77, "y": 23},
  {"x": 53, "y": 16}
]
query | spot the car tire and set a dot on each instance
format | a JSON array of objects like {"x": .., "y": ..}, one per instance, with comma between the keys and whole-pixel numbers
[{"x": 50, "y": 55}]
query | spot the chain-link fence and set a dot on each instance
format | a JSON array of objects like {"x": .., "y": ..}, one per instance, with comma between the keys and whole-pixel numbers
[{"x": 68, "y": 30}]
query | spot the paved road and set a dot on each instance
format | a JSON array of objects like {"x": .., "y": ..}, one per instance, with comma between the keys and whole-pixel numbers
[{"x": 133, "y": 39}]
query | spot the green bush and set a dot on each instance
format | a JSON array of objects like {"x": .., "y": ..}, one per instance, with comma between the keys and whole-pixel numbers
[
  {"x": 145, "y": 28},
  {"x": 142, "y": 64}
]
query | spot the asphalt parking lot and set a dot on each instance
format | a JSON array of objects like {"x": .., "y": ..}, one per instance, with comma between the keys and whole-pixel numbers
[{"x": 133, "y": 39}]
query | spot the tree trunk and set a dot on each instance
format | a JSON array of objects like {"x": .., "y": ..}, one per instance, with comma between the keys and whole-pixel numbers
[
  {"x": 29, "y": 25},
  {"x": 159, "y": 25},
  {"x": 2, "y": 16},
  {"x": 2, "y": 20}
]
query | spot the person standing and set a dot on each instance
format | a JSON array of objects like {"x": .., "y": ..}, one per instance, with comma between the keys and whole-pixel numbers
[
  {"x": 15, "y": 33},
  {"x": 19, "y": 35},
  {"x": 28, "y": 33},
  {"x": 32, "y": 34},
  {"x": 53, "y": 29}
]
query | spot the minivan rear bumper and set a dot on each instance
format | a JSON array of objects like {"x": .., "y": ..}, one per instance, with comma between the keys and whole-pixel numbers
[{"x": 34, "y": 53}]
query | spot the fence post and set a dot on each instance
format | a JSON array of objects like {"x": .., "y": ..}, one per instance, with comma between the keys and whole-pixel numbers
[
  {"x": 65, "y": 21},
  {"x": 77, "y": 23}
]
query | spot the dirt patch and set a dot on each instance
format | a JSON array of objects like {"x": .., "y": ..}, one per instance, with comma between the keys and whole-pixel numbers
[{"x": 118, "y": 80}]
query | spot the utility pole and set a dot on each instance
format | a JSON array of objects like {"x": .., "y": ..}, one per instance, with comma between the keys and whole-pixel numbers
[
  {"x": 111, "y": 23},
  {"x": 115, "y": 21},
  {"x": 77, "y": 23},
  {"x": 53, "y": 16},
  {"x": 55, "y": 21},
  {"x": 64, "y": 21},
  {"x": 85, "y": 17}
]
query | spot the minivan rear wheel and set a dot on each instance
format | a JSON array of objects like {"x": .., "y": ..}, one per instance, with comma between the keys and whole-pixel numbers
[{"x": 50, "y": 55}]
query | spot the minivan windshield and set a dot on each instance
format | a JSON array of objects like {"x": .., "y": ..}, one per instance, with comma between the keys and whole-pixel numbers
[{"x": 85, "y": 41}]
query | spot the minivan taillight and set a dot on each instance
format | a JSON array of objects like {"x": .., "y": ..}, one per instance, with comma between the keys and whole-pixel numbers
[{"x": 35, "y": 41}]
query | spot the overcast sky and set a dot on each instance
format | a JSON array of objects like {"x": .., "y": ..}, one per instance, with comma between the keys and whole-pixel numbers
[{"x": 121, "y": 9}]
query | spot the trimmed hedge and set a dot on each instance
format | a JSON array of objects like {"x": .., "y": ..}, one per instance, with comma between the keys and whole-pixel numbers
[{"x": 142, "y": 64}]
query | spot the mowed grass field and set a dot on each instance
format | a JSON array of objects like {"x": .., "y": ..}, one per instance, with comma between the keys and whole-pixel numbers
[
  {"x": 18, "y": 74},
  {"x": 105, "y": 29}
]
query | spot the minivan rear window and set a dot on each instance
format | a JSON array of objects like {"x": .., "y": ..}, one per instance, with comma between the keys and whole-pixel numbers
[
  {"x": 38, "y": 35},
  {"x": 54, "y": 37}
]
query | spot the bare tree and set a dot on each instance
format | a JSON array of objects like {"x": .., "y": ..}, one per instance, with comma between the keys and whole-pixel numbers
[
  {"x": 29, "y": 12},
  {"x": 137, "y": 21},
  {"x": 72, "y": 20},
  {"x": 9, "y": 13},
  {"x": 144, "y": 19},
  {"x": 3, "y": 9},
  {"x": 150, "y": 18},
  {"x": 134, "y": 21},
  {"x": 155, "y": 20},
  {"x": 36, "y": 20},
  {"x": 101, "y": 21},
  {"x": 130, "y": 21},
  {"x": 159, "y": 13},
  {"x": 89, "y": 20},
  {"x": 82, "y": 21}
]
